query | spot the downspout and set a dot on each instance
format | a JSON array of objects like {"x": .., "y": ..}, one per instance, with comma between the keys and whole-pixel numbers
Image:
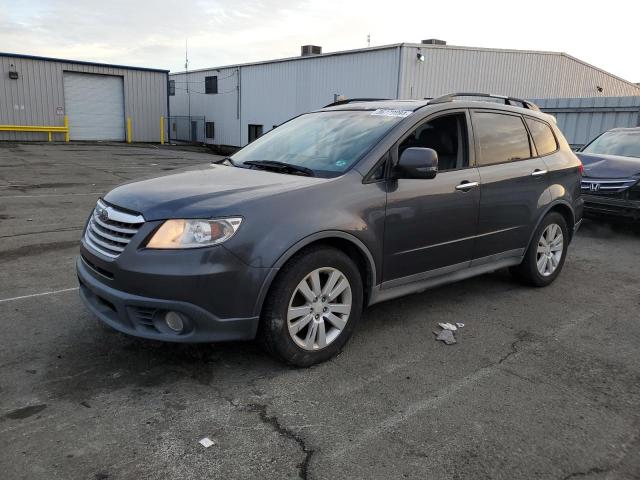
[
  {"x": 239, "y": 106},
  {"x": 399, "y": 70},
  {"x": 168, "y": 113}
]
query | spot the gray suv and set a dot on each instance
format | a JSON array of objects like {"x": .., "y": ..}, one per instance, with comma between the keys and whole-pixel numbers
[{"x": 359, "y": 202}]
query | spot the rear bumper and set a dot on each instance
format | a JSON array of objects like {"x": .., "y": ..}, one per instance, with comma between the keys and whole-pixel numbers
[{"x": 605, "y": 206}]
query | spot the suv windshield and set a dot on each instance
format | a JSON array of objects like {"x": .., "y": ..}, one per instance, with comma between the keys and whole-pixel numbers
[
  {"x": 623, "y": 143},
  {"x": 327, "y": 143}
]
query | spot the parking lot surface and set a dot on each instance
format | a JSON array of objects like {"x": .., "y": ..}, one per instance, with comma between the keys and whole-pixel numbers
[{"x": 543, "y": 383}]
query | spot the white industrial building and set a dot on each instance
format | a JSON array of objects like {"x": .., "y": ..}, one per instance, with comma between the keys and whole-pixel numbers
[
  {"x": 231, "y": 105},
  {"x": 97, "y": 101}
]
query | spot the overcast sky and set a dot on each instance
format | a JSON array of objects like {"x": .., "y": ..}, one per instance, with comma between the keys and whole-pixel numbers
[{"x": 152, "y": 34}]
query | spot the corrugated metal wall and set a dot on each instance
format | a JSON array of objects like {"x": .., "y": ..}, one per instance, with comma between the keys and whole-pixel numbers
[
  {"x": 221, "y": 108},
  {"x": 35, "y": 97},
  {"x": 523, "y": 74},
  {"x": 272, "y": 93},
  {"x": 582, "y": 119}
]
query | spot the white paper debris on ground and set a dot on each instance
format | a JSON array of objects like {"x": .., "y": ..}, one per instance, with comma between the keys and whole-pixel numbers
[
  {"x": 459, "y": 325},
  {"x": 448, "y": 326},
  {"x": 206, "y": 442}
]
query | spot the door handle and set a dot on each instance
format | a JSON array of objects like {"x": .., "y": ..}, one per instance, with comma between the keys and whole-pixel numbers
[
  {"x": 464, "y": 186},
  {"x": 537, "y": 173}
]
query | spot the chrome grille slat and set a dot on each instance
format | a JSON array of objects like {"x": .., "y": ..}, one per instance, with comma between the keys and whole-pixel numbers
[
  {"x": 130, "y": 231},
  {"x": 607, "y": 185},
  {"x": 110, "y": 246},
  {"x": 105, "y": 233},
  {"x": 109, "y": 230}
]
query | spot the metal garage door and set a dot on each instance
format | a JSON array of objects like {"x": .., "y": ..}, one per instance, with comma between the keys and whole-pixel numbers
[{"x": 95, "y": 106}]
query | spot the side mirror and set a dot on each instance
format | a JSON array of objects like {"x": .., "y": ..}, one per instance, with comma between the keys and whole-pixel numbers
[{"x": 417, "y": 162}]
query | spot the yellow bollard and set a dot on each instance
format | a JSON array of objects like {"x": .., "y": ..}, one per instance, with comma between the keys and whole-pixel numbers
[
  {"x": 49, "y": 135},
  {"x": 66, "y": 125},
  {"x": 161, "y": 130},
  {"x": 128, "y": 129}
]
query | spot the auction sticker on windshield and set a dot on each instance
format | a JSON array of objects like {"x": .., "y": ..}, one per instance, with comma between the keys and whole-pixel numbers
[{"x": 383, "y": 112}]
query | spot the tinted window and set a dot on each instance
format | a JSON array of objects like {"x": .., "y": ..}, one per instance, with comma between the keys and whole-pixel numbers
[
  {"x": 209, "y": 129},
  {"x": 500, "y": 138},
  {"x": 211, "y": 84},
  {"x": 542, "y": 136},
  {"x": 625, "y": 143},
  {"x": 255, "y": 131},
  {"x": 447, "y": 136}
]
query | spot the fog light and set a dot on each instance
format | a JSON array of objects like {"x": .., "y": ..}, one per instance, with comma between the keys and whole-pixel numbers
[{"x": 174, "y": 321}]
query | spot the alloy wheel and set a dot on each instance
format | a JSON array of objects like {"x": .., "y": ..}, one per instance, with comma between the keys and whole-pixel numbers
[
  {"x": 319, "y": 308},
  {"x": 550, "y": 248}
]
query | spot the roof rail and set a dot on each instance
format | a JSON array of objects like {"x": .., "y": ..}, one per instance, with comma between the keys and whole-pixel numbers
[
  {"x": 350, "y": 100},
  {"x": 507, "y": 100}
]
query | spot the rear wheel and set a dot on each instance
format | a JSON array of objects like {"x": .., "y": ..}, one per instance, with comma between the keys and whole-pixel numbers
[
  {"x": 545, "y": 257},
  {"x": 312, "y": 307}
]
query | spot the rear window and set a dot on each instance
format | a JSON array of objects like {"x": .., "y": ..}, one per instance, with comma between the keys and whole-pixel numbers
[
  {"x": 500, "y": 138},
  {"x": 543, "y": 137}
]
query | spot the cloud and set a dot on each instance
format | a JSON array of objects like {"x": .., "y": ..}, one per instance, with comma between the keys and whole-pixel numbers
[{"x": 223, "y": 32}]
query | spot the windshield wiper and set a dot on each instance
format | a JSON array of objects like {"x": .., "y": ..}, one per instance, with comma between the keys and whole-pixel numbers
[
  {"x": 281, "y": 166},
  {"x": 223, "y": 160}
]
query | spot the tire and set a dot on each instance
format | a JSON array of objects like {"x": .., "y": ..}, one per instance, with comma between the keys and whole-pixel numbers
[
  {"x": 294, "y": 327},
  {"x": 529, "y": 271}
]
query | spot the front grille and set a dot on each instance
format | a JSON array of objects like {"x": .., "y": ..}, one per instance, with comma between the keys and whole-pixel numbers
[
  {"x": 110, "y": 230},
  {"x": 606, "y": 187}
]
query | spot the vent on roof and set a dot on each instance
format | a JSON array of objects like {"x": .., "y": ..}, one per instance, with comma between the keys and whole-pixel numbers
[
  {"x": 433, "y": 41},
  {"x": 311, "y": 50}
]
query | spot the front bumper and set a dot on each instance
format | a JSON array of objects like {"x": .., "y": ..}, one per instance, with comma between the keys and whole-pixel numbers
[
  {"x": 215, "y": 293},
  {"x": 610, "y": 206}
]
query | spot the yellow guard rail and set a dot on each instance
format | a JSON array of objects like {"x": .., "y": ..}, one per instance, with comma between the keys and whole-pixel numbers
[{"x": 50, "y": 129}]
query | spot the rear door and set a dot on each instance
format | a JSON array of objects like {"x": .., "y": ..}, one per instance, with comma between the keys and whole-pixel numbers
[
  {"x": 514, "y": 183},
  {"x": 431, "y": 223}
]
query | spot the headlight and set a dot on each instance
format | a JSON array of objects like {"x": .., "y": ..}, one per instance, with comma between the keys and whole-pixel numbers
[{"x": 194, "y": 233}]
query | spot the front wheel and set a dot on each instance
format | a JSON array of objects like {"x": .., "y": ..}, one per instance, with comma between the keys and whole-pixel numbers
[
  {"x": 312, "y": 307},
  {"x": 545, "y": 257}
]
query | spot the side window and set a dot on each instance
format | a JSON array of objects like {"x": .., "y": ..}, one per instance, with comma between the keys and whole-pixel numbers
[
  {"x": 211, "y": 84},
  {"x": 255, "y": 131},
  {"x": 447, "y": 135},
  {"x": 543, "y": 137},
  {"x": 209, "y": 129},
  {"x": 500, "y": 138}
]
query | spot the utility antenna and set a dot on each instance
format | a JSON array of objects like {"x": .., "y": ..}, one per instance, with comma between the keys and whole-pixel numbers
[
  {"x": 368, "y": 39},
  {"x": 186, "y": 76}
]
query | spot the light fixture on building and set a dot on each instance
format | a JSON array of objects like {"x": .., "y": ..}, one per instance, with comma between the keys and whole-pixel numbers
[
  {"x": 420, "y": 56},
  {"x": 13, "y": 73},
  {"x": 599, "y": 88}
]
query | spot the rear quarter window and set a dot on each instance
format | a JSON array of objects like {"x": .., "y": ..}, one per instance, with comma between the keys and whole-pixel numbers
[
  {"x": 543, "y": 137},
  {"x": 500, "y": 138}
]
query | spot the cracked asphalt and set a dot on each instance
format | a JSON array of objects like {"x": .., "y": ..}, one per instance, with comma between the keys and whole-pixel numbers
[{"x": 543, "y": 383}]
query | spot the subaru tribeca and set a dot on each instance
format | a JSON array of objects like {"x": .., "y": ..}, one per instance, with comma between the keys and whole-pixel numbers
[{"x": 344, "y": 207}]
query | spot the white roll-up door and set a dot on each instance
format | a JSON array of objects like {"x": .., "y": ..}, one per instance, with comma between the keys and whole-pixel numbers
[{"x": 95, "y": 106}]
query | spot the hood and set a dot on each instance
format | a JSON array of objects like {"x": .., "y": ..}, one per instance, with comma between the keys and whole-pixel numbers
[
  {"x": 609, "y": 166},
  {"x": 212, "y": 190}
]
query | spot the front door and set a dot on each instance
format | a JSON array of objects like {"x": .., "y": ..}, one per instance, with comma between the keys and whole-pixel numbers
[
  {"x": 431, "y": 223},
  {"x": 514, "y": 183}
]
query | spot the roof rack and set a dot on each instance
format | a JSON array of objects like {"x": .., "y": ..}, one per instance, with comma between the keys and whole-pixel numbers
[
  {"x": 507, "y": 100},
  {"x": 350, "y": 100}
]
